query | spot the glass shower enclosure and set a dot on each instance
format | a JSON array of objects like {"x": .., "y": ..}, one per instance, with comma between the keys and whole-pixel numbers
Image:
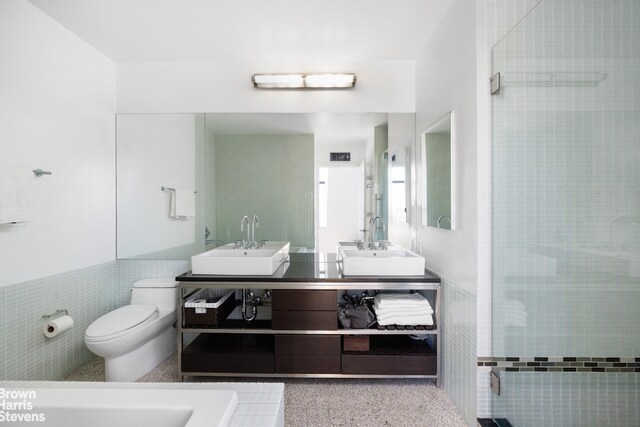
[{"x": 566, "y": 216}]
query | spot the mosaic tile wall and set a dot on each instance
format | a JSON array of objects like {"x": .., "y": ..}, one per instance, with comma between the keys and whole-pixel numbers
[
  {"x": 494, "y": 18},
  {"x": 565, "y": 198},
  {"x": 458, "y": 347},
  {"x": 561, "y": 364},
  {"x": 289, "y": 211},
  {"x": 565, "y": 209},
  {"x": 88, "y": 293},
  {"x": 25, "y": 353},
  {"x": 570, "y": 399},
  {"x": 131, "y": 270}
]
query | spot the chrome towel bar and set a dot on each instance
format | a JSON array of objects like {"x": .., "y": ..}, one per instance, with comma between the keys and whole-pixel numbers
[
  {"x": 163, "y": 188},
  {"x": 40, "y": 172}
]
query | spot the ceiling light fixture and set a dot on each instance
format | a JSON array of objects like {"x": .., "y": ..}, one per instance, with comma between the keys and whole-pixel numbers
[{"x": 304, "y": 81}]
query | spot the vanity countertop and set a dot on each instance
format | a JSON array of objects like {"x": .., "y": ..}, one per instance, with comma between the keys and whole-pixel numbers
[{"x": 312, "y": 268}]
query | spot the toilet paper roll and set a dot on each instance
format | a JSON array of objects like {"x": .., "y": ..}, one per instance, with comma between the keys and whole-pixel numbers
[{"x": 56, "y": 326}]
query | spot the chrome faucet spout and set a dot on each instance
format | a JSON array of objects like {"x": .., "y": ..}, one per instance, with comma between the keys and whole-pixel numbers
[
  {"x": 248, "y": 230},
  {"x": 254, "y": 225},
  {"x": 372, "y": 230}
]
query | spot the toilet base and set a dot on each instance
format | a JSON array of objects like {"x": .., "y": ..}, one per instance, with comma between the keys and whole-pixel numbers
[{"x": 133, "y": 365}]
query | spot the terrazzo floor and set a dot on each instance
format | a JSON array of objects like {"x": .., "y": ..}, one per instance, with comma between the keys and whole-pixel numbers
[{"x": 333, "y": 402}]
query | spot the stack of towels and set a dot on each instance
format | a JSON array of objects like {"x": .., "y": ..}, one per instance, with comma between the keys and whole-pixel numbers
[
  {"x": 403, "y": 309},
  {"x": 183, "y": 203},
  {"x": 16, "y": 194}
]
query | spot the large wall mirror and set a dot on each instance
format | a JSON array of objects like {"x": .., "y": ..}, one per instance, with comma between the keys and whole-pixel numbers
[
  {"x": 438, "y": 210},
  {"x": 276, "y": 166}
]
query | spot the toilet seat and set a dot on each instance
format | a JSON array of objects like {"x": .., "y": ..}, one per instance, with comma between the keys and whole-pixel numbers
[{"x": 121, "y": 321}]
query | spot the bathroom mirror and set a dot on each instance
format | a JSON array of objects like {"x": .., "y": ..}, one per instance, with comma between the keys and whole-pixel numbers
[
  {"x": 155, "y": 155},
  {"x": 437, "y": 151},
  {"x": 398, "y": 185},
  {"x": 237, "y": 164}
]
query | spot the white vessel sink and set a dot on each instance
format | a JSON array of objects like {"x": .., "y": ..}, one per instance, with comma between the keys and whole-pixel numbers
[
  {"x": 227, "y": 260},
  {"x": 392, "y": 262}
]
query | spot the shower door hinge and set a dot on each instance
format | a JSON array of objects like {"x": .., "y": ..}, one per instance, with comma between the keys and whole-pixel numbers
[
  {"x": 495, "y": 83},
  {"x": 495, "y": 383}
]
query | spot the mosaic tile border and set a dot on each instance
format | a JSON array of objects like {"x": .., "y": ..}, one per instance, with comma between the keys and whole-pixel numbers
[{"x": 561, "y": 364}]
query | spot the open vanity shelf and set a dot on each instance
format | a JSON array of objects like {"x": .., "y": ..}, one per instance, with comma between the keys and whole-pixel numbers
[{"x": 302, "y": 336}]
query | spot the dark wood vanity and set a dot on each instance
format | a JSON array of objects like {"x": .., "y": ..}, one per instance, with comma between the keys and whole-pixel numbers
[{"x": 302, "y": 336}]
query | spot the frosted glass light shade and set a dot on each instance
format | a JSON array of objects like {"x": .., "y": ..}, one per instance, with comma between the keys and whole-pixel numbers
[
  {"x": 278, "y": 81},
  {"x": 304, "y": 81},
  {"x": 330, "y": 80}
]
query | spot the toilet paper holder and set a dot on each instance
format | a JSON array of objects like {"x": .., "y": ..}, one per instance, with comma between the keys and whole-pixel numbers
[{"x": 57, "y": 313}]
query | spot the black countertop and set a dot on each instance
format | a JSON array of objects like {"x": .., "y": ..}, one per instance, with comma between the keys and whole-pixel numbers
[{"x": 310, "y": 268}]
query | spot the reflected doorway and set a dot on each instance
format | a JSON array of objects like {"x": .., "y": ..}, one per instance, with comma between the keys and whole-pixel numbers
[{"x": 340, "y": 205}]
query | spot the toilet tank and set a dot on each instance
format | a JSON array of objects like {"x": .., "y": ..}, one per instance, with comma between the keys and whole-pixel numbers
[{"x": 160, "y": 291}]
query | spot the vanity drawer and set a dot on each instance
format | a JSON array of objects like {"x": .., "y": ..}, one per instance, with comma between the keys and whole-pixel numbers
[
  {"x": 304, "y": 300},
  {"x": 307, "y": 364},
  {"x": 304, "y": 320},
  {"x": 368, "y": 364},
  {"x": 307, "y": 344},
  {"x": 228, "y": 353},
  {"x": 228, "y": 363},
  {"x": 391, "y": 355}
]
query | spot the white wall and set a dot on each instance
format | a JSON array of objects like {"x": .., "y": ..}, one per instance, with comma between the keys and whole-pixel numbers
[
  {"x": 154, "y": 150},
  {"x": 323, "y": 152},
  {"x": 212, "y": 87},
  {"x": 446, "y": 80},
  {"x": 57, "y": 112}
]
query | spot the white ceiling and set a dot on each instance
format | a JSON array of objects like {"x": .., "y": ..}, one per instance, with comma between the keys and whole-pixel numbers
[
  {"x": 250, "y": 30},
  {"x": 327, "y": 128}
]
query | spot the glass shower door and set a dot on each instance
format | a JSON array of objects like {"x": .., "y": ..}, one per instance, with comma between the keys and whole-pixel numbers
[{"x": 566, "y": 216}]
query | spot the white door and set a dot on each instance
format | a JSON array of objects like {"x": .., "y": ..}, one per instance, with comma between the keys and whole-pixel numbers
[{"x": 340, "y": 204}]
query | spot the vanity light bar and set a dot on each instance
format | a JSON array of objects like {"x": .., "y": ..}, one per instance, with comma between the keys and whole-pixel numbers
[{"x": 304, "y": 81}]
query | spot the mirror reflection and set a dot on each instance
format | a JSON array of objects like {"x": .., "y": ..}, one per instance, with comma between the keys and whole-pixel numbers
[
  {"x": 276, "y": 167},
  {"x": 156, "y": 151},
  {"x": 437, "y": 157},
  {"x": 399, "y": 185}
]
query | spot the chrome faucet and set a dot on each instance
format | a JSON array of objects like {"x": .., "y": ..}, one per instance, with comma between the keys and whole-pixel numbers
[
  {"x": 248, "y": 230},
  {"x": 254, "y": 225},
  {"x": 372, "y": 229}
]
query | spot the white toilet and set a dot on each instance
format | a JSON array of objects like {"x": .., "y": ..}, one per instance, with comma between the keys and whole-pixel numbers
[{"x": 136, "y": 338}]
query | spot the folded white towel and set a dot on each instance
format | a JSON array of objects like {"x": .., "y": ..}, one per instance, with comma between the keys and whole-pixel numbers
[
  {"x": 401, "y": 300},
  {"x": 402, "y": 311},
  {"x": 386, "y": 315},
  {"x": 183, "y": 203},
  {"x": 16, "y": 194},
  {"x": 407, "y": 320}
]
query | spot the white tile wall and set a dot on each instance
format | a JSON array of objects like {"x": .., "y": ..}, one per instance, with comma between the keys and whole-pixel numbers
[
  {"x": 26, "y": 354},
  {"x": 565, "y": 183},
  {"x": 458, "y": 336},
  {"x": 483, "y": 401},
  {"x": 494, "y": 18},
  {"x": 570, "y": 399},
  {"x": 571, "y": 151}
]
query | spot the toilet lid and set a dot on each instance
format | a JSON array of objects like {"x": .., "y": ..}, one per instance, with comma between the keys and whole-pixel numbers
[{"x": 121, "y": 321}]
